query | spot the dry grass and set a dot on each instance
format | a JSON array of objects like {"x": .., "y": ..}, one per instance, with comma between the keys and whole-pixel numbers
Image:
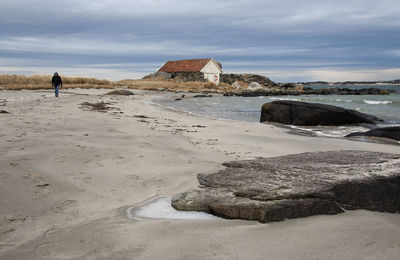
[
  {"x": 173, "y": 85},
  {"x": 16, "y": 82}
]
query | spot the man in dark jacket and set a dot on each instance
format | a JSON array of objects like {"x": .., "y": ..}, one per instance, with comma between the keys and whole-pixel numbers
[{"x": 56, "y": 82}]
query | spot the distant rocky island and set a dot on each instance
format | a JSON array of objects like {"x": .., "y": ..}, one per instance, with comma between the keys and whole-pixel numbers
[
  {"x": 257, "y": 85},
  {"x": 339, "y": 83}
]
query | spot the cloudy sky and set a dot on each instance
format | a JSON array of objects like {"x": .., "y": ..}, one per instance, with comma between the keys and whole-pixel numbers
[{"x": 286, "y": 40}]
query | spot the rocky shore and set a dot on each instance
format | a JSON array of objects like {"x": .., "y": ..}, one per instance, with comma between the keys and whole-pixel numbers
[
  {"x": 252, "y": 85},
  {"x": 312, "y": 114},
  {"x": 299, "y": 185},
  {"x": 309, "y": 91},
  {"x": 391, "y": 132}
]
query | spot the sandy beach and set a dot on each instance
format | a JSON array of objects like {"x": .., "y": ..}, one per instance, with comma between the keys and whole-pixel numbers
[{"x": 68, "y": 175}]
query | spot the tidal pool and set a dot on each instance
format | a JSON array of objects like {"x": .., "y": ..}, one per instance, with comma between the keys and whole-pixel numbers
[{"x": 160, "y": 208}]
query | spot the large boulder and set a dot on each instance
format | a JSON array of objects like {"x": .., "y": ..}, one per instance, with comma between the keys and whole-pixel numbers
[
  {"x": 299, "y": 185},
  {"x": 391, "y": 132},
  {"x": 254, "y": 86},
  {"x": 301, "y": 113},
  {"x": 238, "y": 85}
]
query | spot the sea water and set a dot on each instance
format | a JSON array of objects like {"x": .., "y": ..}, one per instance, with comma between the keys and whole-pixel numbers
[
  {"x": 385, "y": 107},
  {"x": 160, "y": 208}
]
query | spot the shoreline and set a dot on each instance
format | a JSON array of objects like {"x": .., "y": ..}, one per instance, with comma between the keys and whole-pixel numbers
[
  {"x": 68, "y": 176},
  {"x": 311, "y": 131}
]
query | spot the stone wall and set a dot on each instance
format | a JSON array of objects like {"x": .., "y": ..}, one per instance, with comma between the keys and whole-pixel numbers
[
  {"x": 189, "y": 76},
  {"x": 183, "y": 76}
]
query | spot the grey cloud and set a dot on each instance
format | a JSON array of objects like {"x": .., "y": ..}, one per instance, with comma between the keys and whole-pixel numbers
[{"x": 309, "y": 34}]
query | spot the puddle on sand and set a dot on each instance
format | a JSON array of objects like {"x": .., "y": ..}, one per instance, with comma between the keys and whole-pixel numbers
[{"x": 160, "y": 208}]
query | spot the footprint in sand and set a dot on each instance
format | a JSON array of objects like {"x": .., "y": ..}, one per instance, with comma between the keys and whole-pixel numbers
[
  {"x": 43, "y": 249},
  {"x": 88, "y": 180},
  {"x": 51, "y": 232},
  {"x": 58, "y": 208}
]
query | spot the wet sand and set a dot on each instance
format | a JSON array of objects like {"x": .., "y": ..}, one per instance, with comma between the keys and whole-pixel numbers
[{"x": 68, "y": 175}]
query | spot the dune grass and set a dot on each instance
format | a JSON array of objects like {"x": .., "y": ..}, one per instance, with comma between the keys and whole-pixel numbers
[
  {"x": 17, "y": 82},
  {"x": 173, "y": 85}
]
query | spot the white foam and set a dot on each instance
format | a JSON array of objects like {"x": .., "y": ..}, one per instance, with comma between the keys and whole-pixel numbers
[
  {"x": 343, "y": 100},
  {"x": 161, "y": 208},
  {"x": 282, "y": 98},
  {"x": 376, "y": 102},
  {"x": 335, "y": 132}
]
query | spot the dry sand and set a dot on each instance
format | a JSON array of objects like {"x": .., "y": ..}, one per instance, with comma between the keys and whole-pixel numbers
[{"x": 68, "y": 175}]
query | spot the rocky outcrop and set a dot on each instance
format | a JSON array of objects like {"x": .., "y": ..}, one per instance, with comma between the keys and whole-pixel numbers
[
  {"x": 292, "y": 89},
  {"x": 239, "y": 85},
  {"x": 266, "y": 91},
  {"x": 254, "y": 86},
  {"x": 289, "y": 86},
  {"x": 308, "y": 114},
  {"x": 348, "y": 91},
  {"x": 248, "y": 78},
  {"x": 392, "y": 132},
  {"x": 299, "y": 185}
]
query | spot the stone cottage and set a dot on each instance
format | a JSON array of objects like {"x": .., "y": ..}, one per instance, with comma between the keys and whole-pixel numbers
[{"x": 194, "y": 69}]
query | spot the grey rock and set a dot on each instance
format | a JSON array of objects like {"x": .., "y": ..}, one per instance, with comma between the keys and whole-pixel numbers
[
  {"x": 202, "y": 95},
  {"x": 237, "y": 85},
  {"x": 160, "y": 75},
  {"x": 121, "y": 92},
  {"x": 288, "y": 86},
  {"x": 306, "y": 114},
  {"x": 391, "y": 132},
  {"x": 254, "y": 86},
  {"x": 299, "y": 185}
]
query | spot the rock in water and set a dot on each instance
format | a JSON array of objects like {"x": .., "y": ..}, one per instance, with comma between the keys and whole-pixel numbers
[
  {"x": 391, "y": 132},
  {"x": 299, "y": 185},
  {"x": 301, "y": 113}
]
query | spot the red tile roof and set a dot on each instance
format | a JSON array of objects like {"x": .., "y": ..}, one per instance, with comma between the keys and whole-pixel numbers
[{"x": 193, "y": 65}]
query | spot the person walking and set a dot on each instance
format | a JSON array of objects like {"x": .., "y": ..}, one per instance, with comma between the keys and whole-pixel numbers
[{"x": 56, "y": 82}]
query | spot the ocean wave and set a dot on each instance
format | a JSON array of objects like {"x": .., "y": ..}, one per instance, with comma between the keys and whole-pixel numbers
[
  {"x": 331, "y": 131},
  {"x": 343, "y": 100},
  {"x": 290, "y": 99},
  {"x": 376, "y": 102}
]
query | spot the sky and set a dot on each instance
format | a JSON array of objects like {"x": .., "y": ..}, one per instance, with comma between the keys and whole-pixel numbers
[{"x": 285, "y": 40}]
